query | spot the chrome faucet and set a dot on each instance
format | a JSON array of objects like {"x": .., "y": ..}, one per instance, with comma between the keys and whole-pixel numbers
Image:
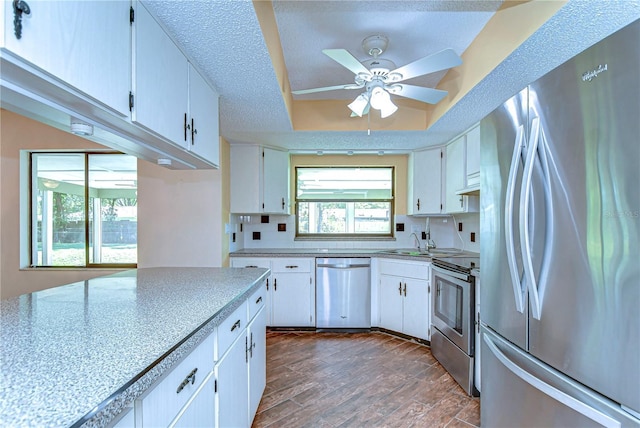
[
  {"x": 417, "y": 240},
  {"x": 430, "y": 242}
]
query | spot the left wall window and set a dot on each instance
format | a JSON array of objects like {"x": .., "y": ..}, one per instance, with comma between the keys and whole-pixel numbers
[{"x": 83, "y": 210}]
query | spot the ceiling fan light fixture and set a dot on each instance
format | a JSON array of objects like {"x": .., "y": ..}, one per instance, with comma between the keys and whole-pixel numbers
[
  {"x": 388, "y": 109},
  {"x": 359, "y": 105}
]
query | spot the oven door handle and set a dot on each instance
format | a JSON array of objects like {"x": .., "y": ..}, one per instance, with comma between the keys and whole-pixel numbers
[{"x": 458, "y": 275}]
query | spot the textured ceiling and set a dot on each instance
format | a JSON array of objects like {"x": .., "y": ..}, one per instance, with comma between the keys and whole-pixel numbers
[{"x": 225, "y": 41}]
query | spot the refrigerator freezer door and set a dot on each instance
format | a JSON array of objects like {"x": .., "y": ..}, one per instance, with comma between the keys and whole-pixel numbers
[
  {"x": 502, "y": 151},
  {"x": 538, "y": 395},
  {"x": 588, "y": 274}
]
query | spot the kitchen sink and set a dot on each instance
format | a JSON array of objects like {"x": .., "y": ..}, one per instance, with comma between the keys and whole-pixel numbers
[{"x": 435, "y": 252}]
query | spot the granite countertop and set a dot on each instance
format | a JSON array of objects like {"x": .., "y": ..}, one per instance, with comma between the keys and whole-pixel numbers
[
  {"x": 80, "y": 353},
  {"x": 339, "y": 252}
]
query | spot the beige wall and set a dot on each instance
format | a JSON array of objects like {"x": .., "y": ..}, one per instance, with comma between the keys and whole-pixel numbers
[
  {"x": 19, "y": 133},
  {"x": 398, "y": 161},
  {"x": 179, "y": 212}
]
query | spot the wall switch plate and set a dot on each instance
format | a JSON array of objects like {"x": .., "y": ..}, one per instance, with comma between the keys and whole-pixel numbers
[
  {"x": 399, "y": 227},
  {"x": 282, "y": 227},
  {"x": 264, "y": 219},
  {"x": 424, "y": 235},
  {"x": 473, "y": 237},
  {"x": 233, "y": 237},
  {"x": 256, "y": 236},
  {"x": 460, "y": 227}
]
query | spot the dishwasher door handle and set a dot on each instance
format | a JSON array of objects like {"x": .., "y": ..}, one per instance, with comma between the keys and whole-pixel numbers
[{"x": 337, "y": 266}]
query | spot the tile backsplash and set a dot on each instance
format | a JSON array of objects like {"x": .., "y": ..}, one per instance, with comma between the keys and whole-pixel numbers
[{"x": 279, "y": 232}]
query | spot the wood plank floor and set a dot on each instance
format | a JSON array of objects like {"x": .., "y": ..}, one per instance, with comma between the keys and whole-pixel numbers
[{"x": 358, "y": 380}]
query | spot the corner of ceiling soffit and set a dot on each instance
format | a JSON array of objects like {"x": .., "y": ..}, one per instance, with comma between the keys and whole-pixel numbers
[{"x": 513, "y": 23}]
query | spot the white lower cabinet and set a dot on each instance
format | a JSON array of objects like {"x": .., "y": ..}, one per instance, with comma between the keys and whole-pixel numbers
[
  {"x": 218, "y": 384},
  {"x": 241, "y": 371},
  {"x": 290, "y": 298},
  {"x": 405, "y": 297},
  {"x": 233, "y": 386},
  {"x": 200, "y": 410}
]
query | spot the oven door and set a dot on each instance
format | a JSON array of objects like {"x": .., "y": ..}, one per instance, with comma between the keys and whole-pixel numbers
[{"x": 452, "y": 307}]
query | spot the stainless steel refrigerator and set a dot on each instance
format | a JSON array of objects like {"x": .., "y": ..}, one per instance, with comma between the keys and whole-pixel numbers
[{"x": 560, "y": 248}]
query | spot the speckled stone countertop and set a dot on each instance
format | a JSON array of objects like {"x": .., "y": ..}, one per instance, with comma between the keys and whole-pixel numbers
[
  {"x": 337, "y": 252},
  {"x": 81, "y": 353}
]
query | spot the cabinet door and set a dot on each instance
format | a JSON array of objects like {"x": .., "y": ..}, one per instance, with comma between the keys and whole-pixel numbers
[
  {"x": 417, "y": 308},
  {"x": 203, "y": 136},
  {"x": 291, "y": 300},
  {"x": 200, "y": 411},
  {"x": 391, "y": 302},
  {"x": 83, "y": 43},
  {"x": 245, "y": 170},
  {"x": 427, "y": 182},
  {"x": 257, "y": 361},
  {"x": 455, "y": 175},
  {"x": 233, "y": 383},
  {"x": 276, "y": 181},
  {"x": 160, "y": 80},
  {"x": 473, "y": 157}
]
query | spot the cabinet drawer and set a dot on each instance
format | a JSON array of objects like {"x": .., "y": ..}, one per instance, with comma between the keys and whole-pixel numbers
[
  {"x": 291, "y": 265},
  {"x": 231, "y": 328},
  {"x": 257, "y": 301},
  {"x": 246, "y": 262},
  {"x": 163, "y": 402},
  {"x": 417, "y": 270}
]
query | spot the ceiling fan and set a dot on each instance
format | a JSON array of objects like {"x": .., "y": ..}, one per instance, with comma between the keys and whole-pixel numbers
[{"x": 380, "y": 77}]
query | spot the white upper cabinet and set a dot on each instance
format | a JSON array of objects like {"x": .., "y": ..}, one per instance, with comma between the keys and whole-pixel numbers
[
  {"x": 456, "y": 178},
  {"x": 259, "y": 180},
  {"x": 455, "y": 175},
  {"x": 425, "y": 182},
  {"x": 276, "y": 181},
  {"x": 203, "y": 136},
  {"x": 85, "y": 44},
  {"x": 473, "y": 159},
  {"x": 160, "y": 81}
]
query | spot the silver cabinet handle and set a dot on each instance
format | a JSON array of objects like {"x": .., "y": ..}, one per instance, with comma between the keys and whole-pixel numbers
[
  {"x": 235, "y": 325},
  {"x": 291, "y": 267},
  {"x": 190, "y": 379},
  {"x": 518, "y": 289}
]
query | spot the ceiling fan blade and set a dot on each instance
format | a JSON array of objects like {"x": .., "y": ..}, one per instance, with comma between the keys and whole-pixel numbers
[
  {"x": 345, "y": 59},
  {"x": 426, "y": 95},
  {"x": 429, "y": 64},
  {"x": 327, "y": 88}
]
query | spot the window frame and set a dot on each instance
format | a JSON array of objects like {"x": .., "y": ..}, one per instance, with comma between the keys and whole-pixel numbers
[
  {"x": 87, "y": 248},
  {"x": 345, "y": 236}
]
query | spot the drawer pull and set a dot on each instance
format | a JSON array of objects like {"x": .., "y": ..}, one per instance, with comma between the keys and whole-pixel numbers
[
  {"x": 251, "y": 266},
  {"x": 292, "y": 267},
  {"x": 235, "y": 325},
  {"x": 259, "y": 300},
  {"x": 191, "y": 378}
]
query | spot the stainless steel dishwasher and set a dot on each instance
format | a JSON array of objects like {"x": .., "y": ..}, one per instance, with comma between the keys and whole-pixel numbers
[{"x": 343, "y": 293}]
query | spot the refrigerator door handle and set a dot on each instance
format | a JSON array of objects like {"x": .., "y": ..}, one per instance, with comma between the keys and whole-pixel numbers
[
  {"x": 549, "y": 390},
  {"x": 525, "y": 241},
  {"x": 518, "y": 290}
]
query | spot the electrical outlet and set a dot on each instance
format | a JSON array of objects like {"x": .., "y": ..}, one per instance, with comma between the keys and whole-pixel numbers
[
  {"x": 460, "y": 227},
  {"x": 256, "y": 236},
  {"x": 264, "y": 219},
  {"x": 473, "y": 237},
  {"x": 233, "y": 237},
  {"x": 424, "y": 235},
  {"x": 399, "y": 227}
]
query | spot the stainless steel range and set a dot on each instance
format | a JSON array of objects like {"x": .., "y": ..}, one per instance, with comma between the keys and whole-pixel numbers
[{"x": 453, "y": 317}]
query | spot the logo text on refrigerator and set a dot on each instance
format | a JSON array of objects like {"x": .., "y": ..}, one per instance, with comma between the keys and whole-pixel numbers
[{"x": 589, "y": 75}]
